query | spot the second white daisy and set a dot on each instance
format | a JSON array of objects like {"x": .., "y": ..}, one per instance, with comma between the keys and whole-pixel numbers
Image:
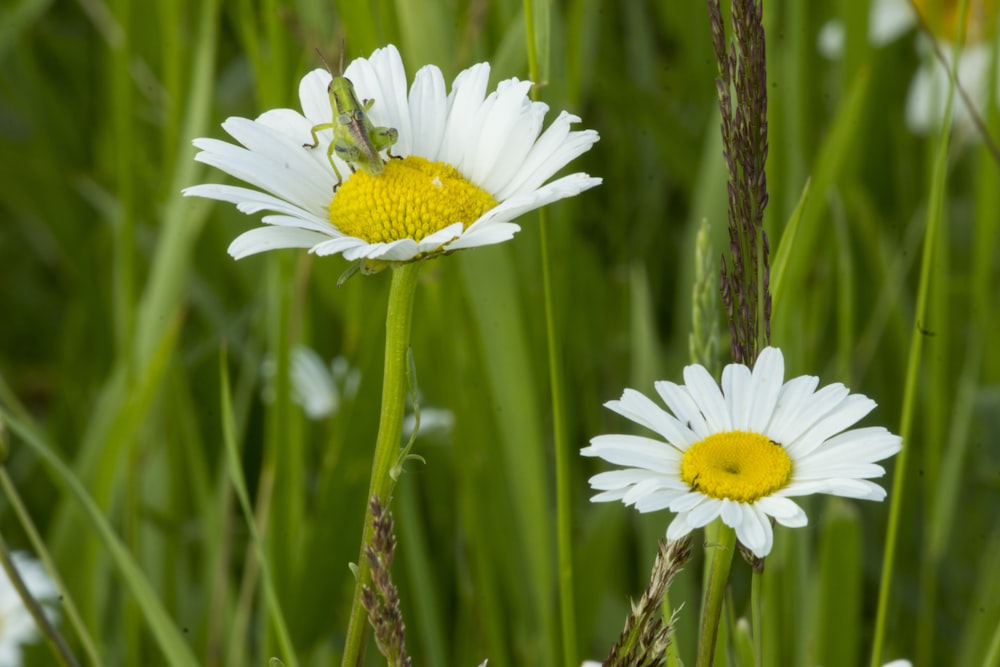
[
  {"x": 741, "y": 451},
  {"x": 471, "y": 164}
]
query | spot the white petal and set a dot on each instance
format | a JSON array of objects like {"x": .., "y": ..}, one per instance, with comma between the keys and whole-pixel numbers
[
  {"x": 555, "y": 148},
  {"x": 517, "y": 147},
  {"x": 257, "y": 170},
  {"x": 260, "y": 239},
  {"x": 766, "y": 384},
  {"x": 337, "y": 246},
  {"x": 846, "y": 414},
  {"x": 561, "y": 188},
  {"x": 786, "y": 423},
  {"x": 306, "y": 222},
  {"x": 687, "y": 502},
  {"x": 315, "y": 98},
  {"x": 467, "y": 93},
  {"x": 382, "y": 78},
  {"x": 395, "y": 102},
  {"x": 844, "y": 469},
  {"x": 618, "y": 479},
  {"x": 680, "y": 402},
  {"x": 439, "y": 238},
  {"x": 705, "y": 512},
  {"x": 287, "y": 154},
  {"x": 811, "y": 410},
  {"x": 785, "y": 511},
  {"x": 510, "y": 101},
  {"x": 399, "y": 250},
  {"x": 658, "y": 500},
  {"x": 731, "y": 513},
  {"x": 653, "y": 484},
  {"x": 736, "y": 388},
  {"x": 754, "y": 531},
  {"x": 428, "y": 112},
  {"x": 848, "y": 488},
  {"x": 253, "y": 201},
  {"x": 707, "y": 395},
  {"x": 679, "y": 527},
  {"x": 607, "y": 496},
  {"x": 634, "y": 451},
  {"x": 496, "y": 232},
  {"x": 640, "y": 409},
  {"x": 292, "y": 124}
]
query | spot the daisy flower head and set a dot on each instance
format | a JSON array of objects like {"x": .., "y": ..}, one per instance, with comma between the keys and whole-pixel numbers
[
  {"x": 742, "y": 450},
  {"x": 468, "y": 165}
]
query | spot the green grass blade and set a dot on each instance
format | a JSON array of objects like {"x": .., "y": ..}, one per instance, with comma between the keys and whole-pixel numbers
[{"x": 172, "y": 643}]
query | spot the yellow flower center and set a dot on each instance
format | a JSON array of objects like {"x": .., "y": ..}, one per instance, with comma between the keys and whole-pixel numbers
[
  {"x": 411, "y": 199},
  {"x": 738, "y": 465},
  {"x": 941, "y": 17}
]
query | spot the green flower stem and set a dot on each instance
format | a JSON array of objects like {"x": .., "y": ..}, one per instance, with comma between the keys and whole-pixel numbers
[
  {"x": 757, "y": 616},
  {"x": 38, "y": 544},
  {"x": 564, "y": 495},
  {"x": 398, "y": 319},
  {"x": 911, "y": 387},
  {"x": 720, "y": 553}
]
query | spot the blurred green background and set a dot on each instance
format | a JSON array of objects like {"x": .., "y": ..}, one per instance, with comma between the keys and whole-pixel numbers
[{"x": 119, "y": 300}]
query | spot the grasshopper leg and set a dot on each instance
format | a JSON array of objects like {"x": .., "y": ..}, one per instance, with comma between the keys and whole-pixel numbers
[
  {"x": 329, "y": 156},
  {"x": 314, "y": 131}
]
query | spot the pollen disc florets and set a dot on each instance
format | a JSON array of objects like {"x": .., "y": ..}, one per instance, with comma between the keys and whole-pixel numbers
[
  {"x": 412, "y": 198},
  {"x": 738, "y": 465}
]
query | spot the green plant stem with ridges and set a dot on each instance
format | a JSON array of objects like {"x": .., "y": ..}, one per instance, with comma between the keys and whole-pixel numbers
[
  {"x": 564, "y": 518},
  {"x": 65, "y": 601},
  {"x": 240, "y": 485},
  {"x": 9, "y": 401},
  {"x": 564, "y": 521},
  {"x": 935, "y": 213},
  {"x": 720, "y": 555},
  {"x": 176, "y": 651},
  {"x": 398, "y": 322},
  {"x": 757, "y": 616}
]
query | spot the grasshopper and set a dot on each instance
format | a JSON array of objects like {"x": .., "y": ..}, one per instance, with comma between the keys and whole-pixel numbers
[{"x": 355, "y": 140}]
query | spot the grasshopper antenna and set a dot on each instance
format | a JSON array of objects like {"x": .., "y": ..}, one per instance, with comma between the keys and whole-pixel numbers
[
  {"x": 343, "y": 47},
  {"x": 326, "y": 64}
]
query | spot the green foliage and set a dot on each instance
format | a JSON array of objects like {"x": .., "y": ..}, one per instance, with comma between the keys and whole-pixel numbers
[{"x": 119, "y": 298}]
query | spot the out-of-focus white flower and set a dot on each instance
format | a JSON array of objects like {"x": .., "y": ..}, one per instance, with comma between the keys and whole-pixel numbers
[
  {"x": 433, "y": 421},
  {"x": 17, "y": 626},
  {"x": 320, "y": 389},
  {"x": 926, "y": 99},
  {"x": 317, "y": 388}
]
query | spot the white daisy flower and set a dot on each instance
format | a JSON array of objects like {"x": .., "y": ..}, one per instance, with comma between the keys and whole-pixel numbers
[
  {"x": 320, "y": 389},
  {"x": 925, "y": 104},
  {"x": 317, "y": 387},
  {"x": 471, "y": 164},
  {"x": 741, "y": 451},
  {"x": 17, "y": 626}
]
